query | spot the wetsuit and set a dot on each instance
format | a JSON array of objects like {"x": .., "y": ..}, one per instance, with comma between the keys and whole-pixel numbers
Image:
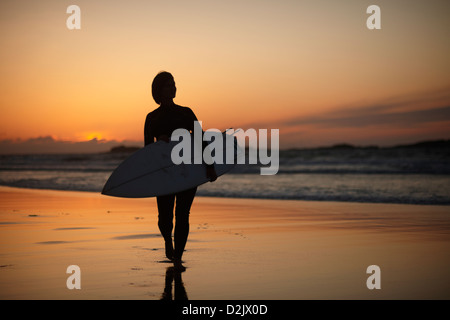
[{"x": 166, "y": 119}]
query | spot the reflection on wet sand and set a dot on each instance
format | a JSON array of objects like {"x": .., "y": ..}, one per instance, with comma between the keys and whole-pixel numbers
[{"x": 180, "y": 292}]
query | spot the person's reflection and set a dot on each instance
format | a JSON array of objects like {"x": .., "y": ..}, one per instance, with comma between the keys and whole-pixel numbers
[{"x": 180, "y": 292}]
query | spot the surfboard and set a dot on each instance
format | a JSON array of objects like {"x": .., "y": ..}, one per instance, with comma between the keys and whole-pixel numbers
[{"x": 150, "y": 171}]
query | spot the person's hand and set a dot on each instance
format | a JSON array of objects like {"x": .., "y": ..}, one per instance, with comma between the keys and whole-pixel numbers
[
  {"x": 211, "y": 173},
  {"x": 163, "y": 137}
]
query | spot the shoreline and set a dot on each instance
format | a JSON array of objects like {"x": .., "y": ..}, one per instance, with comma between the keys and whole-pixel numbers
[
  {"x": 237, "y": 248},
  {"x": 234, "y": 197}
]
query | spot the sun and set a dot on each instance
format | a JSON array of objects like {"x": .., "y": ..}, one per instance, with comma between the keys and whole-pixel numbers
[{"x": 93, "y": 135}]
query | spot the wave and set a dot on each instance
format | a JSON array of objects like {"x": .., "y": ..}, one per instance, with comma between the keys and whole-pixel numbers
[
  {"x": 382, "y": 188},
  {"x": 418, "y": 174},
  {"x": 314, "y": 161}
]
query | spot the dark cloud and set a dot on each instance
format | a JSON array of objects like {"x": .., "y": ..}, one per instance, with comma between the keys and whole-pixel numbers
[
  {"x": 373, "y": 116},
  {"x": 399, "y": 111},
  {"x": 48, "y": 144}
]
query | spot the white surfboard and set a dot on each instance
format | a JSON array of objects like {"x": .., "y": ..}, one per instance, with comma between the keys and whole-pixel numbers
[{"x": 150, "y": 171}]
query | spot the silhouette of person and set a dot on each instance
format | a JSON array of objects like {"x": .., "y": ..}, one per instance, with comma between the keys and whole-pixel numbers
[{"x": 159, "y": 125}]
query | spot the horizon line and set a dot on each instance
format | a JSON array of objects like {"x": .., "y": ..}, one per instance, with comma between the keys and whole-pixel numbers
[{"x": 95, "y": 145}]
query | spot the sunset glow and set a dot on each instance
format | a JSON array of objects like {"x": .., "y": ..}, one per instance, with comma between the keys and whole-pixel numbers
[{"x": 309, "y": 68}]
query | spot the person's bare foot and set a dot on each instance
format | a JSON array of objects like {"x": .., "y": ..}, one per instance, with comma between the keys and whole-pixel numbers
[{"x": 178, "y": 266}]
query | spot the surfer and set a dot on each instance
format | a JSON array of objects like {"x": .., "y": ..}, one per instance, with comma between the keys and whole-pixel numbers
[{"x": 159, "y": 125}]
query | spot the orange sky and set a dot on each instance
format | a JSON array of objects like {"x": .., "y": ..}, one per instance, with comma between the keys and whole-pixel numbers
[{"x": 310, "y": 68}]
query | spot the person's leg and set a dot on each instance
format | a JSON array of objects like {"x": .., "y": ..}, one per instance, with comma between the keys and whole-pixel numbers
[
  {"x": 165, "y": 221},
  {"x": 183, "y": 206}
]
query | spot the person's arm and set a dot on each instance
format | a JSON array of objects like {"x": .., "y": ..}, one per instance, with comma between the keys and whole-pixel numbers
[{"x": 148, "y": 135}]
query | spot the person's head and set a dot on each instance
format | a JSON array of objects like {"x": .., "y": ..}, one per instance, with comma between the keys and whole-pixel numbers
[{"x": 163, "y": 87}]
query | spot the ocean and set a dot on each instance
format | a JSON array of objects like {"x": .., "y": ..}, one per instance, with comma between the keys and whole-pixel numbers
[{"x": 413, "y": 174}]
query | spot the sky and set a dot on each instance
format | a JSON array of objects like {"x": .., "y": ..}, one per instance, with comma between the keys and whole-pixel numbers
[{"x": 312, "y": 69}]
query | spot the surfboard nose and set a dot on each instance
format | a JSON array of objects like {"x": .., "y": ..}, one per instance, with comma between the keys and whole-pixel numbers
[{"x": 105, "y": 188}]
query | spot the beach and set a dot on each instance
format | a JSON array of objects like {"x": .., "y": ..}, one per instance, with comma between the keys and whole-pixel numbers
[{"x": 237, "y": 249}]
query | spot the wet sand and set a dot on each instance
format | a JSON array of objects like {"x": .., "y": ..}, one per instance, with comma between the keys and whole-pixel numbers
[{"x": 237, "y": 249}]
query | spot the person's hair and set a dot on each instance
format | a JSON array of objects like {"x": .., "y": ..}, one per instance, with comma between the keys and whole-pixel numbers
[{"x": 158, "y": 84}]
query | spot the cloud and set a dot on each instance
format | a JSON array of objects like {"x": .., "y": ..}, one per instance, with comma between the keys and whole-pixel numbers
[
  {"x": 408, "y": 110},
  {"x": 47, "y": 144},
  {"x": 373, "y": 116},
  {"x": 398, "y": 119}
]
